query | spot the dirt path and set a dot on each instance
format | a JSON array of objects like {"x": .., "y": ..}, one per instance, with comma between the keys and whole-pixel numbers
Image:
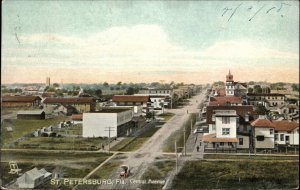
[{"x": 144, "y": 156}]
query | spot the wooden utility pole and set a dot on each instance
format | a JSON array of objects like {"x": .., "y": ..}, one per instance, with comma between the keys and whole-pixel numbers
[
  {"x": 184, "y": 144},
  {"x": 176, "y": 157},
  {"x": 109, "y": 129}
]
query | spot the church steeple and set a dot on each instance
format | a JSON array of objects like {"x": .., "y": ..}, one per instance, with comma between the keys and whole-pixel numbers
[{"x": 229, "y": 77}]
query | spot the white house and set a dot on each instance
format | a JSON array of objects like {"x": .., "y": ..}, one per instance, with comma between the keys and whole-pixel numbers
[
  {"x": 33, "y": 178},
  {"x": 286, "y": 133},
  {"x": 96, "y": 124},
  {"x": 262, "y": 133}
]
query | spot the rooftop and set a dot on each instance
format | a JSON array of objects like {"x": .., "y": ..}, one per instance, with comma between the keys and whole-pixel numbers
[
  {"x": 69, "y": 100},
  {"x": 262, "y": 123},
  {"x": 130, "y": 98},
  {"x": 223, "y": 100},
  {"x": 212, "y": 138},
  {"x": 285, "y": 125},
  {"x": 20, "y": 98}
]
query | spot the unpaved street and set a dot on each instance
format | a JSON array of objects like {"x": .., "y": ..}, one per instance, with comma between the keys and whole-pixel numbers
[{"x": 143, "y": 157}]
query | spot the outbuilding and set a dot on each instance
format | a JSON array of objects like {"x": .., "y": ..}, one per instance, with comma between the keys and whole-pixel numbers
[{"x": 31, "y": 115}]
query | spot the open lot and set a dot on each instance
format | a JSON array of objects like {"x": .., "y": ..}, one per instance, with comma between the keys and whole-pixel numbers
[
  {"x": 270, "y": 174},
  {"x": 74, "y": 165},
  {"x": 134, "y": 143},
  {"x": 23, "y": 127}
]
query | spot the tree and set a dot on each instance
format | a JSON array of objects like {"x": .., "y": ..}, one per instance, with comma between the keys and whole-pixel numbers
[
  {"x": 261, "y": 110},
  {"x": 149, "y": 115},
  {"x": 98, "y": 92},
  {"x": 130, "y": 91},
  {"x": 250, "y": 90},
  {"x": 257, "y": 89},
  {"x": 119, "y": 83},
  {"x": 105, "y": 84},
  {"x": 295, "y": 87},
  {"x": 55, "y": 85}
]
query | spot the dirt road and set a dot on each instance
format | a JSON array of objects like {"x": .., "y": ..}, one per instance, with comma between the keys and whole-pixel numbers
[{"x": 143, "y": 157}]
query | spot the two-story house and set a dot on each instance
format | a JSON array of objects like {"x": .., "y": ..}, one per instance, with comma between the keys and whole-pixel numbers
[{"x": 228, "y": 127}]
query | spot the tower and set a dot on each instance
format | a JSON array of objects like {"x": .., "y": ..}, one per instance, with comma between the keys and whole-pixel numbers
[
  {"x": 229, "y": 85},
  {"x": 47, "y": 81}
]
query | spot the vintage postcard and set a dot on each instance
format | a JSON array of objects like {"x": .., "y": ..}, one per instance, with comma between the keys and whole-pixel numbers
[{"x": 149, "y": 94}]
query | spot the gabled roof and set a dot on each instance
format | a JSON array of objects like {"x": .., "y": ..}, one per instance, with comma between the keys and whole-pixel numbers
[
  {"x": 20, "y": 98},
  {"x": 262, "y": 123},
  {"x": 285, "y": 125},
  {"x": 32, "y": 175},
  {"x": 222, "y": 101},
  {"x": 130, "y": 98},
  {"x": 81, "y": 100}
]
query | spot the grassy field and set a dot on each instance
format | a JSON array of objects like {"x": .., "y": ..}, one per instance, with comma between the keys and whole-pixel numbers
[
  {"x": 244, "y": 157},
  {"x": 158, "y": 171},
  {"x": 134, "y": 143},
  {"x": 23, "y": 127},
  {"x": 62, "y": 143},
  {"x": 237, "y": 175},
  {"x": 74, "y": 165},
  {"x": 178, "y": 135}
]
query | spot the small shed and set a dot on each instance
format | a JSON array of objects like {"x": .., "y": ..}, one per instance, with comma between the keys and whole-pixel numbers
[{"x": 31, "y": 115}]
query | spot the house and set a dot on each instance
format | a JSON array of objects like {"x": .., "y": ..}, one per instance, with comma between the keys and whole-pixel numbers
[
  {"x": 157, "y": 91},
  {"x": 65, "y": 109},
  {"x": 97, "y": 124},
  {"x": 225, "y": 100},
  {"x": 31, "y": 115},
  {"x": 286, "y": 133},
  {"x": 270, "y": 101},
  {"x": 229, "y": 127},
  {"x": 82, "y": 104},
  {"x": 262, "y": 133},
  {"x": 20, "y": 101},
  {"x": 131, "y": 100},
  {"x": 33, "y": 178},
  {"x": 240, "y": 89}
]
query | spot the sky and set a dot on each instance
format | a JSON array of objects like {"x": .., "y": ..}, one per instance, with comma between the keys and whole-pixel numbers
[{"x": 149, "y": 41}]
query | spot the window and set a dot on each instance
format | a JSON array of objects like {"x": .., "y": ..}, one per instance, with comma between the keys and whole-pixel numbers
[
  {"x": 276, "y": 137},
  {"x": 271, "y": 131},
  {"x": 241, "y": 141},
  {"x": 221, "y": 144},
  {"x": 281, "y": 137},
  {"x": 225, "y": 131},
  {"x": 260, "y": 138},
  {"x": 225, "y": 120}
]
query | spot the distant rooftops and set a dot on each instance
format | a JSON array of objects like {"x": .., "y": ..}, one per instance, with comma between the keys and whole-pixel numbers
[
  {"x": 112, "y": 110},
  {"x": 130, "y": 98},
  {"x": 20, "y": 98},
  {"x": 224, "y": 100},
  {"x": 264, "y": 94},
  {"x": 69, "y": 100}
]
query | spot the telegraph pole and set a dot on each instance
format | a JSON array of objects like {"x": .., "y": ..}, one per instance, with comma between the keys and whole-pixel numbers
[
  {"x": 191, "y": 126},
  {"x": 109, "y": 129},
  {"x": 184, "y": 144},
  {"x": 176, "y": 157}
]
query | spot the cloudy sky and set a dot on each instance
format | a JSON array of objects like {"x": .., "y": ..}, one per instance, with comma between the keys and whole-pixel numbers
[{"x": 147, "y": 41}]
